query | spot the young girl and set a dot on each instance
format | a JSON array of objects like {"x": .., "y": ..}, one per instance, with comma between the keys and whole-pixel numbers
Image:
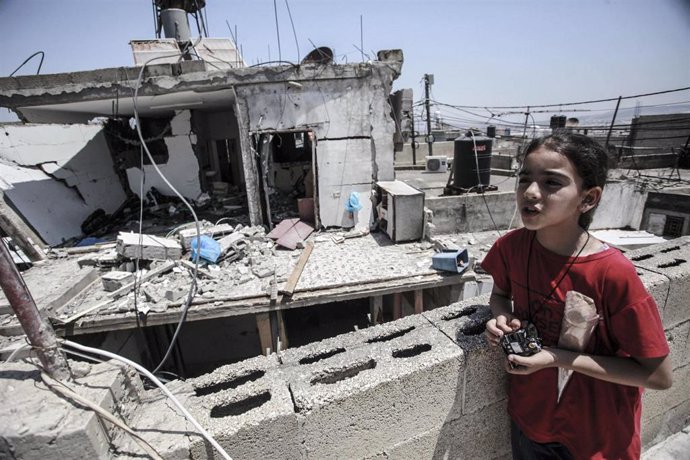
[{"x": 598, "y": 413}]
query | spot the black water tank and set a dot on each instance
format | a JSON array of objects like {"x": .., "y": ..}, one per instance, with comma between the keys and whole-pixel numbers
[
  {"x": 557, "y": 121},
  {"x": 465, "y": 164},
  {"x": 491, "y": 131}
]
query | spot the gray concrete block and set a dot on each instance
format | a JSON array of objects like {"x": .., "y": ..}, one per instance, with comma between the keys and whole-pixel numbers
[
  {"x": 660, "y": 427},
  {"x": 655, "y": 403},
  {"x": 248, "y": 409},
  {"x": 678, "y": 339},
  {"x": 363, "y": 400},
  {"x": 482, "y": 435},
  {"x": 114, "y": 280},
  {"x": 149, "y": 247},
  {"x": 327, "y": 348},
  {"x": 161, "y": 424},
  {"x": 39, "y": 424},
  {"x": 484, "y": 378},
  {"x": 658, "y": 286},
  {"x": 670, "y": 259}
]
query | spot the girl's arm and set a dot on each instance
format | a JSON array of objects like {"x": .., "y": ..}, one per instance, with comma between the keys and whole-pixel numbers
[
  {"x": 653, "y": 373},
  {"x": 503, "y": 319}
]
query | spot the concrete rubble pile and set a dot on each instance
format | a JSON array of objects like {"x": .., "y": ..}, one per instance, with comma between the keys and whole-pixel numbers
[{"x": 247, "y": 257}]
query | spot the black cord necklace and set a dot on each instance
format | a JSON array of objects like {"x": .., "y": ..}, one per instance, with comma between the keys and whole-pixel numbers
[{"x": 531, "y": 315}]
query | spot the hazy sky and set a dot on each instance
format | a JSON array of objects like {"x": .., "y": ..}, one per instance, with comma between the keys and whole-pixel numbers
[{"x": 485, "y": 53}]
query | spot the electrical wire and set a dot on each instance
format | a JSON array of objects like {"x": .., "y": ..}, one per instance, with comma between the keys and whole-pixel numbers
[
  {"x": 159, "y": 384},
  {"x": 568, "y": 104},
  {"x": 40, "y": 64},
  {"x": 293, "y": 29},
  {"x": 18, "y": 350},
  {"x": 193, "y": 285}
]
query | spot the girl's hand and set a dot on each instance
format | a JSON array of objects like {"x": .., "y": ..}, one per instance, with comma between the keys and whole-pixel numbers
[
  {"x": 525, "y": 365},
  {"x": 500, "y": 325}
]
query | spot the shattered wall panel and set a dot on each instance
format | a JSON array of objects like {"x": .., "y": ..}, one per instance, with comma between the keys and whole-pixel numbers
[
  {"x": 334, "y": 108},
  {"x": 57, "y": 175},
  {"x": 182, "y": 168},
  {"x": 52, "y": 209},
  {"x": 344, "y": 167}
]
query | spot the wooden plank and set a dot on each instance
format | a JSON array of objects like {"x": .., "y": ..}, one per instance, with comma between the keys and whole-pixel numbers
[
  {"x": 418, "y": 301},
  {"x": 397, "y": 306},
  {"x": 87, "y": 281},
  {"x": 263, "y": 326},
  {"x": 282, "y": 331},
  {"x": 205, "y": 309},
  {"x": 376, "y": 310},
  {"x": 119, "y": 293},
  {"x": 201, "y": 272},
  {"x": 292, "y": 281}
]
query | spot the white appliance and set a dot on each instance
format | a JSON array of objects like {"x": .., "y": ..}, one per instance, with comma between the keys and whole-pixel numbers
[{"x": 437, "y": 163}]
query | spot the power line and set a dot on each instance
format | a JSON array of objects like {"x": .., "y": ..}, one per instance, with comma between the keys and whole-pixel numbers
[{"x": 567, "y": 104}]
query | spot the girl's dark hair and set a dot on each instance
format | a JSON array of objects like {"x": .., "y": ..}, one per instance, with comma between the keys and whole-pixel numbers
[{"x": 587, "y": 155}]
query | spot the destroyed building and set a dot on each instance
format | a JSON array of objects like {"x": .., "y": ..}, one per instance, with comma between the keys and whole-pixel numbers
[{"x": 266, "y": 155}]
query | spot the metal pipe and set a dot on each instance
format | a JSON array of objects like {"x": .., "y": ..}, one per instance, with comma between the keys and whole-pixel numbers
[{"x": 40, "y": 333}]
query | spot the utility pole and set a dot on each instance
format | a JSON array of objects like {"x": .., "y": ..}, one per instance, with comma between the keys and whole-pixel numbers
[
  {"x": 413, "y": 142},
  {"x": 428, "y": 81},
  {"x": 40, "y": 333},
  {"x": 613, "y": 122}
]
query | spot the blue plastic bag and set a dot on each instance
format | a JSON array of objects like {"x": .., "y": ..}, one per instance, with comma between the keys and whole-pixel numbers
[
  {"x": 353, "y": 204},
  {"x": 210, "y": 249}
]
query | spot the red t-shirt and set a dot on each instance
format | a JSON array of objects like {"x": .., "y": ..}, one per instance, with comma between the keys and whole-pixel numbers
[{"x": 594, "y": 419}]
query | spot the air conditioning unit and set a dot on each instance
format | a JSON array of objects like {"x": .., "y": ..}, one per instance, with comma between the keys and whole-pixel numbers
[{"x": 437, "y": 163}]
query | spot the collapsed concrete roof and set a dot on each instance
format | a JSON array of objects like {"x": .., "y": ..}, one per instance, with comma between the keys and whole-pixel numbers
[{"x": 77, "y": 97}]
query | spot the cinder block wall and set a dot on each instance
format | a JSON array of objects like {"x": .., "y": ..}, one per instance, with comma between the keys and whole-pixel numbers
[{"x": 425, "y": 386}]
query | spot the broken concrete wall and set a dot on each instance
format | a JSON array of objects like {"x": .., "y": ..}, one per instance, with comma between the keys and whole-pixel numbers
[
  {"x": 182, "y": 167},
  {"x": 468, "y": 213},
  {"x": 621, "y": 206},
  {"x": 425, "y": 386},
  {"x": 57, "y": 175},
  {"x": 349, "y": 115},
  {"x": 40, "y": 423}
]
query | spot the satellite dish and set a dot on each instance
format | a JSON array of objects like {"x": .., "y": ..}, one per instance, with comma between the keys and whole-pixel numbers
[{"x": 320, "y": 55}]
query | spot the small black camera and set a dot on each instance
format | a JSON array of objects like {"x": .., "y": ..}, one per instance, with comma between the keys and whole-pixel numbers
[{"x": 523, "y": 342}]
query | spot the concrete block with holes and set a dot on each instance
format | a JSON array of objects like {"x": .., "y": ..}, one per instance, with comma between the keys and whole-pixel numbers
[
  {"x": 323, "y": 349},
  {"x": 672, "y": 260},
  {"x": 658, "y": 286},
  {"x": 248, "y": 409},
  {"x": 481, "y": 435},
  {"x": 358, "y": 402},
  {"x": 484, "y": 378}
]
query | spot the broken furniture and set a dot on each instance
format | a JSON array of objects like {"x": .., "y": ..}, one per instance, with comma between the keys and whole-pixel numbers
[{"x": 400, "y": 210}]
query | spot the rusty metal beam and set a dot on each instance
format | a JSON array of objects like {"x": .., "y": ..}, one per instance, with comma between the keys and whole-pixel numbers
[{"x": 39, "y": 332}]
